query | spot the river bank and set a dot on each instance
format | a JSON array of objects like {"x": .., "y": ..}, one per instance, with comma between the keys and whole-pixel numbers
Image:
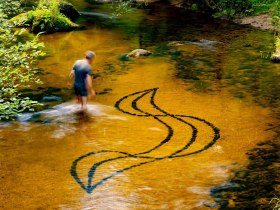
[{"x": 263, "y": 21}]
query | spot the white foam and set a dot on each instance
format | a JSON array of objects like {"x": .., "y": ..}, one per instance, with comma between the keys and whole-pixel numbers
[{"x": 66, "y": 116}]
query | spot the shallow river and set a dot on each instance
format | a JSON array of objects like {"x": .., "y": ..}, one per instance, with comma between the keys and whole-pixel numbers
[{"x": 162, "y": 131}]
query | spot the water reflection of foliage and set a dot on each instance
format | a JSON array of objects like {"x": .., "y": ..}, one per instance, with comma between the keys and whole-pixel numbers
[
  {"x": 248, "y": 73},
  {"x": 236, "y": 62}
]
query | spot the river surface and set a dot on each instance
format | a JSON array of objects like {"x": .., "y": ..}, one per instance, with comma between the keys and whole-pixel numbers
[{"x": 162, "y": 131}]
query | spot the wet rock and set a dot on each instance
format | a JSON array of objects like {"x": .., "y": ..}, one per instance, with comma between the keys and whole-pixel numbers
[
  {"x": 176, "y": 43},
  {"x": 69, "y": 10},
  {"x": 203, "y": 43},
  {"x": 104, "y": 91},
  {"x": 139, "y": 52},
  {"x": 30, "y": 117},
  {"x": 210, "y": 204},
  {"x": 275, "y": 57}
]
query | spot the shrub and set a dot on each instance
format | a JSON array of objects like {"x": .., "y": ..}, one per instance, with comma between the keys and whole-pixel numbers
[
  {"x": 232, "y": 7},
  {"x": 17, "y": 70}
]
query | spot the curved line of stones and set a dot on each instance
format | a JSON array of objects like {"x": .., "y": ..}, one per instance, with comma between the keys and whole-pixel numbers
[{"x": 179, "y": 153}]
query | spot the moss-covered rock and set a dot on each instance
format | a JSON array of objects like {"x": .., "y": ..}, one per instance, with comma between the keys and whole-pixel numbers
[
  {"x": 44, "y": 21},
  {"x": 48, "y": 17},
  {"x": 139, "y": 52}
]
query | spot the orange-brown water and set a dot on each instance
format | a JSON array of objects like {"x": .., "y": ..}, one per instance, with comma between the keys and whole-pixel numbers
[{"x": 37, "y": 152}]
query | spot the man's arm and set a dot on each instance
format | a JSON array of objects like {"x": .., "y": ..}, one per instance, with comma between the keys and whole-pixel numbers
[
  {"x": 89, "y": 85},
  {"x": 71, "y": 75}
]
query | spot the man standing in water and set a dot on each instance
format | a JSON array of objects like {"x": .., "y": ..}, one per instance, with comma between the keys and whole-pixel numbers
[{"x": 83, "y": 81}]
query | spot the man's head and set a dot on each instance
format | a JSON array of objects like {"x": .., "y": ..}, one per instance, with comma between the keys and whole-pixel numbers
[{"x": 90, "y": 56}]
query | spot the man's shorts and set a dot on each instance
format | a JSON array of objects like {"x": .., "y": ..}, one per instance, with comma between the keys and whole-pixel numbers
[{"x": 80, "y": 90}]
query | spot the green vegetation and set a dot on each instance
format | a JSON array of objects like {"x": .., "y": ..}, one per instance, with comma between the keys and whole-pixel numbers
[
  {"x": 232, "y": 8},
  {"x": 17, "y": 60},
  {"x": 45, "y": 18},
  {"x": 121, "y": 7}
]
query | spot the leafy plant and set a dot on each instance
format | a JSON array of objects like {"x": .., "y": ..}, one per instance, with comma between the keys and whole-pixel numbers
[
  {"x": 121, "y": 7},
  {"x": 231, "y": 7},
  {"x": 17, "y": 59}
]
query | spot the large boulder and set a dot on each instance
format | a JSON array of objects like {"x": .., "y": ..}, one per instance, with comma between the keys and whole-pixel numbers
[
  {"x": 139, "y": 52},
  {"x": 69, "y": 11}
]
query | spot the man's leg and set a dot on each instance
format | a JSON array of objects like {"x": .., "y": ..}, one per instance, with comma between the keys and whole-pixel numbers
[
  {"x": 79, "y": 99},
  {"x": 84, "y": 103}
]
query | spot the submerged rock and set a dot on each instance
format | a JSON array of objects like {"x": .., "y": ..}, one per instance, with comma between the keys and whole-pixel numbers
[
  {"x": 176, "y": 43},
  {"x": 51, "y": 98},
  {"x": 203, "y": 43},
  {"x": 139, "y": 52}
]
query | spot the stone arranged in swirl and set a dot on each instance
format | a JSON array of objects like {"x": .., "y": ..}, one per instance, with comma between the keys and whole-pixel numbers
[{"x": 146, "y": 157}]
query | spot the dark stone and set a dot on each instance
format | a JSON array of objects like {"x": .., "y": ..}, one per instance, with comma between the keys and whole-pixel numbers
[
  {"x": 247, "y": 45},
  {"x": 69, "y": 11}
]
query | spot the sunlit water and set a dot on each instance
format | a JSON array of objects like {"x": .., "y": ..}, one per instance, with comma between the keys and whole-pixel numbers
[{"x": 217, "y": 75}]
